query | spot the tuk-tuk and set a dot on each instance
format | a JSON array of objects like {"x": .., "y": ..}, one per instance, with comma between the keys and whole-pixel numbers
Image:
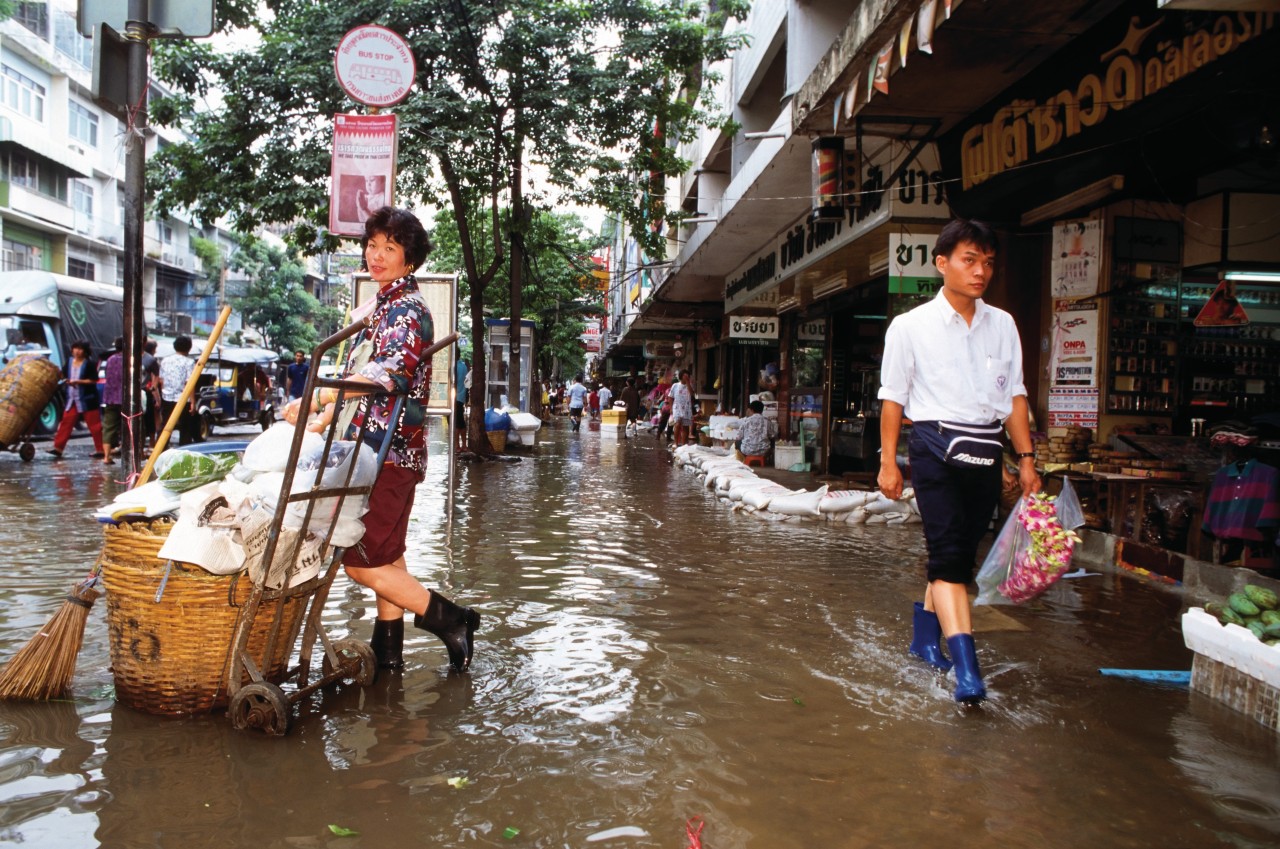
[{"x": 235, "y": 388}]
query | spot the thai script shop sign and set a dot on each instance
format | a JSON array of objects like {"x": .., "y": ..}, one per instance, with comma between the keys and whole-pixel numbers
[
  {"x": 753, "y": 329},
  {"x": 1151, "y": 56},
  {"x": 919, "y": 193}
]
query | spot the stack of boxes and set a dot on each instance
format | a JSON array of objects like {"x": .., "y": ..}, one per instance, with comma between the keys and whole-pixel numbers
[
  {"x": 1065, "y": 445},
  {"x": 613, "y": 423}
]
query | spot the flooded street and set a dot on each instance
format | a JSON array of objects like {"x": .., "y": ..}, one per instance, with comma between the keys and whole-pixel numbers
[{"x": 647, "y": 657}]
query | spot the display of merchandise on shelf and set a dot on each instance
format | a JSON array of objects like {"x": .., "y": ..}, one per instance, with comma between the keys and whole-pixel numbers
[
  {"x": 1233, "y": 368},
  {"x": 1143, "y": 341}
]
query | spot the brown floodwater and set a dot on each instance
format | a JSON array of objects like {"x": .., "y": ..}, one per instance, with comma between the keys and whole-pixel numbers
[{"x": 647, "y": 657}]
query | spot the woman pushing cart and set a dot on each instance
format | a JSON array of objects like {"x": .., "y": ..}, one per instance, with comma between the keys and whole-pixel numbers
[{"x": 387, "y": 356}]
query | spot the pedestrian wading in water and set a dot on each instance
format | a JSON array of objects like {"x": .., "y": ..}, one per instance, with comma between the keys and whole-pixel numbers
[
  {"x": 398, "y": 330},
  {"x": 953, "y": 366}
]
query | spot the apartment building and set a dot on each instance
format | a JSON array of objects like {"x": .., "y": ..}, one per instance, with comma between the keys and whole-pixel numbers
[{"x": 61, "y": 169}]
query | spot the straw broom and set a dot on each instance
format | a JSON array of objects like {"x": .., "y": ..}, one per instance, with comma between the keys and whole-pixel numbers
[{"x": 43, "y": 668}]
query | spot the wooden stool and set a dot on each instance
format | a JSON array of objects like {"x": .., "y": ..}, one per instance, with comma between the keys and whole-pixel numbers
[{"x": 754, "y": 460}]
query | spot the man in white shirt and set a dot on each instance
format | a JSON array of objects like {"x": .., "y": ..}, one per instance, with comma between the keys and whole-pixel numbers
[
  {"x": 954, "y": 361},
  {"x": 577, "y": 394},
  {"x": 606, "y": 397}
]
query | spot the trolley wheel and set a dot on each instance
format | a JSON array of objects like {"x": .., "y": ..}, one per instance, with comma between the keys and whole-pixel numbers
[
  {"x": 262, "y": 706},
  {"x": 356, "y": 659},
  {"x": 27, "y": 452}
]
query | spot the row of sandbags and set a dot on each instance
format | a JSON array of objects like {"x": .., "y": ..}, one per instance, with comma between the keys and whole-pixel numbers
[{"x": 736, "y": 483}]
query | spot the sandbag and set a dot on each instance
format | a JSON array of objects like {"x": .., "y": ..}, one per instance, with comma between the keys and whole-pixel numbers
[
  {"x": 800, "y": 504},
  {"x": 760, "y": 498},
  {"x": 739, "y": 487},
  {"x": 881, "y": 505},
  {"x": 725, "y": 481},
  {"x": 714, "y": 478},
  {"x": 843, "y": 500}
]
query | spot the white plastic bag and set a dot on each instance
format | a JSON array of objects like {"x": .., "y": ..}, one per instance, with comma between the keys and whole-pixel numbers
[{"x": 270, "y": 451}]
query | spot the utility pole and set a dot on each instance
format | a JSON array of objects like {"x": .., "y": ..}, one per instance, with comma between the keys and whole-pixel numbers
[
  {"x": 135, "y": 165},
  {"x": 121, "y": 33}
]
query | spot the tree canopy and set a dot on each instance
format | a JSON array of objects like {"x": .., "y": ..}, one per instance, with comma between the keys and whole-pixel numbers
[
  {"x": 275, "y": 303},
  {"x": 558, "y": 247},
  {"x": 596, "y": 94}
]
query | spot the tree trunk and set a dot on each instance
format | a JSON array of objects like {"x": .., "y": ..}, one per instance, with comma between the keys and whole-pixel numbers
[
  {"x": 477, "y": 281},
  {"x": 519, "y": 226}
]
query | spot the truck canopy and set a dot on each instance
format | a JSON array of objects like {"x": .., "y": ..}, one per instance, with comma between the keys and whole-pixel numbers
[{"x": 84, "y": 310}]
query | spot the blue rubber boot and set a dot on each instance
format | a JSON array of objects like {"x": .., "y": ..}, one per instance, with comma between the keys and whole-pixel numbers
[
  {"x": 926, "y": 637},
  {"x": 969, "y": 687}
]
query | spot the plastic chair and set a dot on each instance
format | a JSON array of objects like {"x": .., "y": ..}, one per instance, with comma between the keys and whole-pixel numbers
[{"x": 754, "y": 460}]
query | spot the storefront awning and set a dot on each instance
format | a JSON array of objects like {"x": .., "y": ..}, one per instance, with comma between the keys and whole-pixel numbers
[{"x": 981, "y": 50}]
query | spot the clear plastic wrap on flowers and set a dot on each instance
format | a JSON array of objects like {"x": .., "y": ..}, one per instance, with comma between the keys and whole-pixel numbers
[{"x": 1032, "y": 552}]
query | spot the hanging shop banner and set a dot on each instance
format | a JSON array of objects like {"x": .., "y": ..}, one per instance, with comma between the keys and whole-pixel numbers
[
  {"x": 913, "y": 278},
  {"x": 911, "y": 268},
  {"x": 753, "y": 327},
  {"x": 924, "y": 26},
  {"x": 1073, "y": 360},
  {"x": 364, "y": 170},
  {"x": 1077, "y": 248},
  {"x": 917, "y": 194},
  {"x": 813, "y": 330},
  {"x": 591, "y": 334},
  {"x": 1073, "y": 405}
]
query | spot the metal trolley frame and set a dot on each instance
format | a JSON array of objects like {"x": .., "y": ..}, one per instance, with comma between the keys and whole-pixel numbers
[{"x": 262, "y": 704}]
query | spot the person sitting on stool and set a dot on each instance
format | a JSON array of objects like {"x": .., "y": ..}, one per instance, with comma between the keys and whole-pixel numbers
[{"x": 756, "y": 433}]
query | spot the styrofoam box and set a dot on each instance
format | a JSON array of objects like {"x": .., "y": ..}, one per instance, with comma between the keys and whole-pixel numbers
[
  {"x": 786, "y": 456},
  {"x": 1233, "y": 666}
]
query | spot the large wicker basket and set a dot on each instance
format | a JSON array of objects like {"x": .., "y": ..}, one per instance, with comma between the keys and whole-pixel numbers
[
  {"x": 26, "y": 385},
  {"x": 172, "y": 656}
]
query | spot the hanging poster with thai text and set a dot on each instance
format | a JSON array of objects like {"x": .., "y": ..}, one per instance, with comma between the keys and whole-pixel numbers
[
  {"x": 1073, "y": 359},
  {"x": 364, "y": 170},
  {"x": 1076, "y": 257}
]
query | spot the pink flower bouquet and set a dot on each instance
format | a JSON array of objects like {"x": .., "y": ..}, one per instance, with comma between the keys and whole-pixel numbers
[{"x": 1048, "y": 555}]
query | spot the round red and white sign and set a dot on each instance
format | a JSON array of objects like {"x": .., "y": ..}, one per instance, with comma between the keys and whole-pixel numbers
[{"x": 375, "y": 65}]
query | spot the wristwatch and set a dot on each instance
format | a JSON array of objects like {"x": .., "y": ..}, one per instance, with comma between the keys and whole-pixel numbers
[{"x": 1022, "y": 455}]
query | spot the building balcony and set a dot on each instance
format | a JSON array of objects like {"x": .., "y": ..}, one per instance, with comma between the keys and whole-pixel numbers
[{"x": 34, "y": 205}]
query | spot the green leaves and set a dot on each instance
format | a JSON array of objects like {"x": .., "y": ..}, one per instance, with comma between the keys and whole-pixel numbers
[{"x": 275, "y": 302}]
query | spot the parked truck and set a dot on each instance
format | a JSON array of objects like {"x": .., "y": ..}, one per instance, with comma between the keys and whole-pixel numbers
[{"x": 45, "y": 313}]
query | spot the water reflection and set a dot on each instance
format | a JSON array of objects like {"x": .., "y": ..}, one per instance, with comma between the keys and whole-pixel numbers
[{"x": 648, "y": 656}]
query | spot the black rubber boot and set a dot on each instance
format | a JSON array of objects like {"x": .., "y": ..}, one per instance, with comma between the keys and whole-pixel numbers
[
  {"x": 454, "y": 625},
  {"x": 388, "y": 643},
  {"x": 926, "y": 638}
]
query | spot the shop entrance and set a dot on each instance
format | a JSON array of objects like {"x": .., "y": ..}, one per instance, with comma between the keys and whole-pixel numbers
[{"x": 857, "y": 346}]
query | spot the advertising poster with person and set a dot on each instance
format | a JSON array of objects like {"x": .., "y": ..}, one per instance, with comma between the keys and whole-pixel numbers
[
  {"x": 1077, "y": 247},
  {"x": 364, "y": 170}
]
